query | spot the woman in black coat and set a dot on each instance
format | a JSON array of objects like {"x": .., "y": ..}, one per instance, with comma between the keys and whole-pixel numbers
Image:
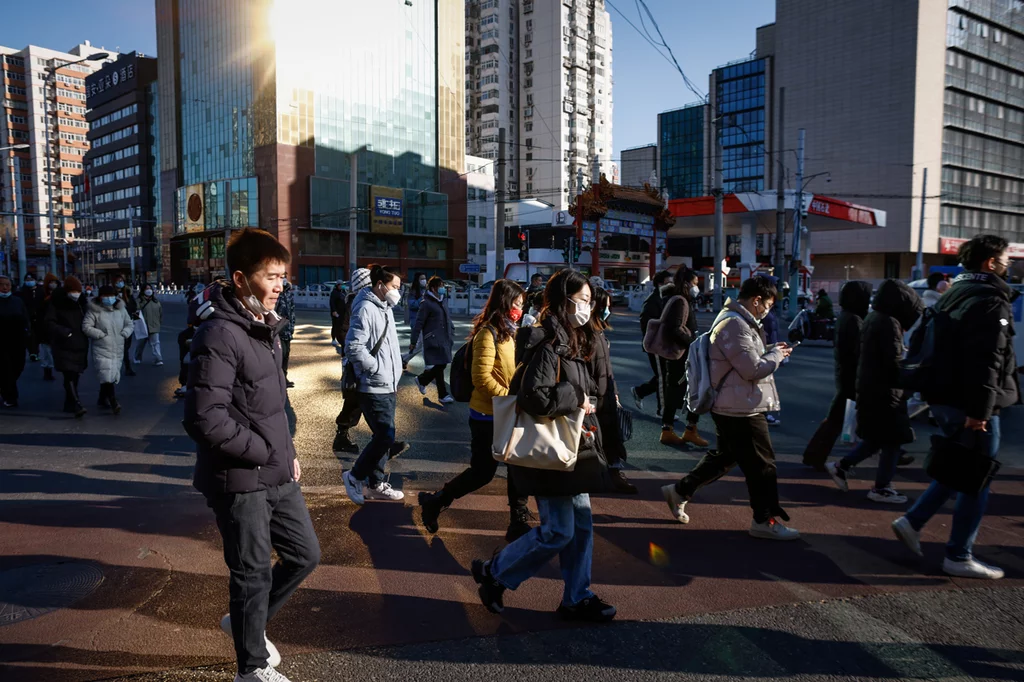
[
  {"x": 554, "y": 380},
  {"x": 607, "y": 394},
  {"x": 435, "y": 323},
  {"x": 70, "y": 345},
  {"x": 854, "y": 300},
  {"x": 883, "y": 423}
]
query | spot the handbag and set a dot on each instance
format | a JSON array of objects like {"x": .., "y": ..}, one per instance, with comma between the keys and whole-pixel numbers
[
  {"x": 961, "y": 462},
  {"x": 525, "y": 440},
  {"x": 349, "y": 379},
  {"x": 850, "y": 423},
  {"x": 141, "y": 330},
  {"x": 659, "y": 341},
  {"x": 625, "y": 418}
]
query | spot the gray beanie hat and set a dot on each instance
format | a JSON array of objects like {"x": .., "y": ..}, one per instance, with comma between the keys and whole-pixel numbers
[{"x": 360, "y": 279}]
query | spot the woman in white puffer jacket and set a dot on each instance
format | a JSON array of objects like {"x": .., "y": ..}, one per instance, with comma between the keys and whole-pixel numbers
[{"x": 108, "y": 324}]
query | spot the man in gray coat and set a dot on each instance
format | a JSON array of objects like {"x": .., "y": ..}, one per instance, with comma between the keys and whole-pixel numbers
[
  {"x": 371, "y": 347},
  {"x": 236, "y": 412}
]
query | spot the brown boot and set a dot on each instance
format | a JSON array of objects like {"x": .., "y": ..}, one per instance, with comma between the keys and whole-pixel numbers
[
  {"x": 669, "y": 437},
  {"x": 690, "y": 435}
]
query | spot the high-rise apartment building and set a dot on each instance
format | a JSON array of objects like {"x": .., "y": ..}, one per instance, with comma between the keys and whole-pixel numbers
[
  {"x": 26, "y": 97},
  {"x": 295, "y": 115},
  {"x": 480, "y": 213},
  {"x": 541, "y": 69}
]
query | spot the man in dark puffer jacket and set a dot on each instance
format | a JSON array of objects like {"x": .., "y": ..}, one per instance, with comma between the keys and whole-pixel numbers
[
  {"x": 981, "y": 381},
  {"x": 245, "y": 458}
]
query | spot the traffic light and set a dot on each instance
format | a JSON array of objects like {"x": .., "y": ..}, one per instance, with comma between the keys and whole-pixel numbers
[
  {"x": 567, "y": 251},
  {"x": 576, "y": 249},
  {"x": 524, "y": 253}
]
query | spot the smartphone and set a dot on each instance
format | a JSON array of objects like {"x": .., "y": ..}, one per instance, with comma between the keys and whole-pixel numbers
[{"x": 795, "y": 344}]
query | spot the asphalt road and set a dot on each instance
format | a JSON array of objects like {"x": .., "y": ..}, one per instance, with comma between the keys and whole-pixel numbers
[{"x": 116, "y": 557}]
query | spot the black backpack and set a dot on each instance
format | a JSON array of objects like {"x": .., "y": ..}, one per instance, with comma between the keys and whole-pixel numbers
[
  {"x": 929, "y": 353},
  {"x": 460, "y": 380}
]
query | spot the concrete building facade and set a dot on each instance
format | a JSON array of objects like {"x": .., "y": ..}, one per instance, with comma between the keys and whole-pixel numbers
[
  {"x": 638, "y": 164},
  {"x": 480, "y": 214}
]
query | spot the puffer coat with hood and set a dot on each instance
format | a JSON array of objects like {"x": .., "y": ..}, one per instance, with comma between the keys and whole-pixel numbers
[
  {"x": 108, "y": 327},
  {"x": 854, "y": 301},
  {"x": 64, "y": 325},
  {"x": 743, "y": 365},
  {"x": 235, "y": 407},
  {"x": 882, "y": 415},
  {"x": 550, "y": 382}
]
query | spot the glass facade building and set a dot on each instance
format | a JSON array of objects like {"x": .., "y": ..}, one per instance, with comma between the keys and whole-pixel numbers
[
  {"x": 983, "y": 119},
  {"x": 740, "y": 99},
  {"x": 681, "y": 152}
]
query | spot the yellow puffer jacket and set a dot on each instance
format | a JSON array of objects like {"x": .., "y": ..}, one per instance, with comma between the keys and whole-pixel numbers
[{"x": 492, "y": 369}]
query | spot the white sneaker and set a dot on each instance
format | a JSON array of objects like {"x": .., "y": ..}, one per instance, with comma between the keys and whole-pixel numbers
[
  {"x": 353, "y": 487},
  {"x": 334, "y": 342},
  {"x": 773, "y": 529},
  {"x": 972, "y": 568},
  {"x": 447, "y": 400},
  {"x": 181, "y": 390},
  {"x": 423, "y": 389},
  {"x": 384, "y": 491},
  {"x": 273, "y": 655},
  {"x": 676, "y": 503},
  {"x": 886, "y": 496},
  {"x": 907, "y": 535},
  {"x": 267, "y": 674},
  {"x": 838, "y": 475},
  {"x": 158, "y": 363}
]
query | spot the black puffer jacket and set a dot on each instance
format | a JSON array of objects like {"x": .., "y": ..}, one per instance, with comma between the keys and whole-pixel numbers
[
  {"x": 882, "y": 415},
  {"x": 64, "y": 332},
  {"x": 607, "y": 407},
  {"x": 653, "y": 305},
  {"x": 854, "y": 300},
  {"x": 983, "y": 376},
  {"x": 235, "y": 404},
  {"x": 545, "y": 390}
]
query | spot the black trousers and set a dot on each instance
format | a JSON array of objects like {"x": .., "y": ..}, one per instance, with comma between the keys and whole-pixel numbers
[
  {"x": 653, "y": 384},
  {"x": 336, "y": 327},
  {"x": 675, "y": 392},
  {"x": 12, "y": 364},
  {"x": 71, "y": 387},
  {"x": 482, "y": 467},
  {"x": 107, "y": 393},
  {"x": 251, "y": 525},
  {"x": 435, "y": 374},
  {"x": 127, "y": 352},
  {"x": 351, "y": 411},
  {"x": 744, "y": 441},
  {"x": 824, "y": 439},
  {"x": 286, "y": 351}
]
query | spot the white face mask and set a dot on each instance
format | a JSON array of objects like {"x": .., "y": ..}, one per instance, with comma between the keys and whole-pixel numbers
[
  {"x": 149, "y": 292},
  {"x": 582, "y": 314},
  {"x": 423, "y": 282},
  {"x": 392, "y": 297},
  {"x": 252, "y": 303},
  {"x": 694, "y": 291},
  {"x": 73, "y": 295}
]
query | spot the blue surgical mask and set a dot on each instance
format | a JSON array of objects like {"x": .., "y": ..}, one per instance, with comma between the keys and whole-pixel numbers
[
  {"x": 606, "y": 313},
  {"x": 5, "y": 294},
  {"x": 119, "y": 285},
  {"x": 108, "y": 300},
  {"x": 30, "y": 283}
]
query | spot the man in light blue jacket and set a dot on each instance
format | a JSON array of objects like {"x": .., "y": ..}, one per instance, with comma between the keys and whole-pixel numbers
[{"x": 371, "y": 347}]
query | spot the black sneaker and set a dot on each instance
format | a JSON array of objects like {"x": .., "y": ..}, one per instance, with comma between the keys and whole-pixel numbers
[
  {"x": 621, "y": 483},
  {"x": 905, "y": 460},
  {"x": 397, "y": 448},
  {"x": 342, "y": 443},
  {"x": 431, "y": 507},
  {"x": 491, "y": 592},
  {"x": 518, "y": 525},
  {"x": 591, "y": 609}
]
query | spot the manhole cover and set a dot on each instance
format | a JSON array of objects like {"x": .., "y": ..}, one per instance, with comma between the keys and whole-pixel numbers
[{"x": 31, "y": 591}]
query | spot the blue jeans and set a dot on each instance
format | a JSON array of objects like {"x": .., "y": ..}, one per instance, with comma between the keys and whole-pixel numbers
[
  {"x": 887, "y": 461},
  {"x": 566, "y": 530},
  {"x": 968, "y": 509},
  {"x": 379, "y": 413}
]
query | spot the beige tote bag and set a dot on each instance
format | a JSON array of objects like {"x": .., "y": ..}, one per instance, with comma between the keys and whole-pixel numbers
[{"x": 521, "y": 439}]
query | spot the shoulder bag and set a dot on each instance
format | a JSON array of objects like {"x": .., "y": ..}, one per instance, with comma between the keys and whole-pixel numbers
[{"x": 349, "y": 380}]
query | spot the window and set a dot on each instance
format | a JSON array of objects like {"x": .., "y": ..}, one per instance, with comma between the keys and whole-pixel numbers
[
  {"x": 471, "y": 221},
  {"x": 471, "y": 247},
  {"x": 482, "y": 222},
  {"x": 482, "y": 250},
  {"x": 14, "y": 90}
]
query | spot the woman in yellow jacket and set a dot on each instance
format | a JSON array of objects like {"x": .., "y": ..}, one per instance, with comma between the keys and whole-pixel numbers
[{"x": 493, "y": 364}]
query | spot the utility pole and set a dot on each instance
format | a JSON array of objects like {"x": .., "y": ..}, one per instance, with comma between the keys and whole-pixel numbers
[
  {"x": 780, "y": 183},
  {"x": 719, "y": 199},
  {"x": 64, "y": 237},
  {"x": 353, "y": 200},
  {"x": 499, "y": 210},
  {"x": 794, "y": 284},
  {"x": 51, "y": 76},
  {"x": 19, "y": 225},
  {"x": 131, "y": 249},
  {"x": 919, "y": 268}
]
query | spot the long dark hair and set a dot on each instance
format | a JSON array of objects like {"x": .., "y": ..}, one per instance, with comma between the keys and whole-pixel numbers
[
  {"x": 681, "y": 281},
  {"x": 380, "y": 274},
  {"x": 414, "y": 288},
  {"x": 562, "y": 286},
  {"x": 601, "y": 300},
  {"x": 504, "y": 294}
]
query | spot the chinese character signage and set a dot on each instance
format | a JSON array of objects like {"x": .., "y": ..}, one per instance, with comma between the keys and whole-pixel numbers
[
  {"x": 387, "y": 210},
  {"x": 110, "y": 76}
]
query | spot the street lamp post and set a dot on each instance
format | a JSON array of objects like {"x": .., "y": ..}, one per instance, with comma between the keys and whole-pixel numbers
[
  {"x": 51, "y": 73},
  {"x": 19, "y": 225}
]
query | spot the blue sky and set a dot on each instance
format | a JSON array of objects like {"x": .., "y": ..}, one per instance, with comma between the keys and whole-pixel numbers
[{"x": 702, "y": 35}]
